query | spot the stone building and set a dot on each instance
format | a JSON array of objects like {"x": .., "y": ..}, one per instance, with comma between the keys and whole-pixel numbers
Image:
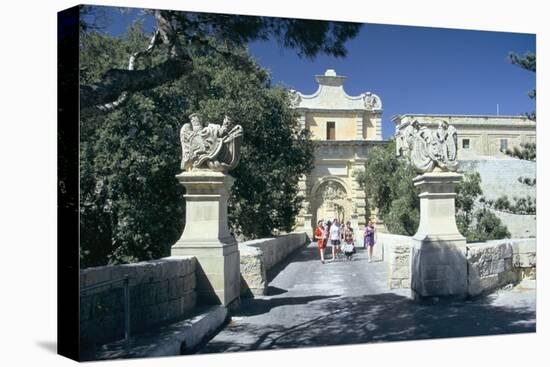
[
  {"x": 480, "y": 136},
  {"x": 345, "y": 127},
  {"x": 482, "y": 141}
]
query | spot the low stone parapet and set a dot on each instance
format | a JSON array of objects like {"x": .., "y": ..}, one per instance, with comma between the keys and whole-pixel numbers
[
  {"x": 494, "y": 264},
  {"x": 525, "y": 257},
  {"x": 397, "y": 251},
  {"x": 259, "y": 256},
  {"x": 491, "y": 265},
  {"x": 160, "y": 291}
]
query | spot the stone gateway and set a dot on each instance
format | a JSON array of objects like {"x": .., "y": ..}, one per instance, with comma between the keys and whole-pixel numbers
[{"x": 345, "y": 128}]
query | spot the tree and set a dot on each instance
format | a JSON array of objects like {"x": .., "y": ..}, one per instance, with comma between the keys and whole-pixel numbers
[
  {"x": 182, "y": 36},
  {"x": 387, "y": 181},
  {"x": 474, "y": 223},
  {"x": 529, "y": 63},
  {"x": 526, "y": 151},
  {"x": 131, "y": 204}
]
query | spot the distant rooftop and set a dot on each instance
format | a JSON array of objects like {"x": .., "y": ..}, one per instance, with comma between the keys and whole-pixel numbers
[{"x": 466, "y": 119}]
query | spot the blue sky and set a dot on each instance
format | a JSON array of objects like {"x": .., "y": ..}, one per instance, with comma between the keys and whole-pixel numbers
[{"x": 413, "y": 69}]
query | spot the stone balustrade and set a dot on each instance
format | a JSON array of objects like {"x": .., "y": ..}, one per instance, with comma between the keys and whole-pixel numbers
[
  {"x": 491, "y": 264},
  {"x": 259, "y": 256},
  {"x": 160, "y": 291}
]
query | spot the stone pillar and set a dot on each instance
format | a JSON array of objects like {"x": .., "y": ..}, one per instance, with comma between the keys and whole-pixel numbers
[
  {"x": 438, "y": 254},
  {"x": 359, "y": 127},
  {"x": 377, "y": 122},
  {"x": 206, "y": 236},
  {"x": 302, "y": 120}
]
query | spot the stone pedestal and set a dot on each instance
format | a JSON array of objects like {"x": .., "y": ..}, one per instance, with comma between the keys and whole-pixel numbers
[
  {"x": 438, "y": 257},
  {"x": 206, "y": 236}
]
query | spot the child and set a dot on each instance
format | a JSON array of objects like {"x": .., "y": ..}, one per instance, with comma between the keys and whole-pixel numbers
[{"x": 348, "y": 247}]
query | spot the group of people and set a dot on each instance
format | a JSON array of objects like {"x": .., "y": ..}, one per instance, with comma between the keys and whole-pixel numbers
[{"x": 341, "y": 238}]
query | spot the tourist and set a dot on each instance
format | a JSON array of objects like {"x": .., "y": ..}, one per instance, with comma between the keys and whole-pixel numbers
[
  {"x": 326, "y": 232},
  {"x": 342, "y": 230},
  {"x": 348, "y": 248},
  {"x": 321, "y": 239},
  {"x": 369, "y": 240},
  {"x": 335, "y": 238}
]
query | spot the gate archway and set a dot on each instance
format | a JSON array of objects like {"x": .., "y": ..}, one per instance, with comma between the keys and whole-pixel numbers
[{"x": 330, "y": 199}]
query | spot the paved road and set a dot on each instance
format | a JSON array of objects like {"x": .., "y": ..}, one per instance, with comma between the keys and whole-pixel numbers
[{"x": 314, "y": 304}]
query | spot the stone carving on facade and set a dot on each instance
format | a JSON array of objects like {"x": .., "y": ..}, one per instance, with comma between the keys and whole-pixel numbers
[
  {"x": 333, "y": 197},
  {"x": 371, "y": 101},
  {"x": 295, "y": 98},
  {"x": 212, "y": 146},
  {"x": 332, "y": 192},
  {"x": 428, "y": 150}
]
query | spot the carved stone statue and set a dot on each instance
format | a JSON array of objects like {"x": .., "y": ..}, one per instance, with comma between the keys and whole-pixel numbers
[
  {"x": 428, "y": 150},
  {"x": 371, "y": 101},
  {"x": 215, "y": 147},
  {"x": 295, "y": 98}
]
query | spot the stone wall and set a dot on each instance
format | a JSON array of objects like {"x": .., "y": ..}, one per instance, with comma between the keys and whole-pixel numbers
[
  {"x": 491, "y": 264},
  {"x": 160, "y": 291},
  {"x": 396, "y": 250},
  {"x": 259, "y": 256},
  {"x": 525, "y": 257},
  {"x": 494, "y": 264}
]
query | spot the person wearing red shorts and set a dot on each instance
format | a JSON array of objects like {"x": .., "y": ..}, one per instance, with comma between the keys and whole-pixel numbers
[{"x": 321, "y": 240}]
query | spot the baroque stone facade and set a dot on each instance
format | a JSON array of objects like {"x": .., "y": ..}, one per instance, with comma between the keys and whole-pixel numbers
[{"x": 345, "y": 128}]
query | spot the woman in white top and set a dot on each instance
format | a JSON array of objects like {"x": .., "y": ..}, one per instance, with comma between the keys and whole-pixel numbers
[{"x": 335, "y": 238}]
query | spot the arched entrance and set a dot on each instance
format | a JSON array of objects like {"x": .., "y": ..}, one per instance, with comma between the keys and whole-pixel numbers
[{"x": 330, "y": 200}]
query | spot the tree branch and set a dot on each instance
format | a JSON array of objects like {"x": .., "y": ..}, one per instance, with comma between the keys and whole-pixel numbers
[
  {"x": 117, "y": 84},
  {"x": 131, "y": 63},
  {"x": 118, "y": 81}
]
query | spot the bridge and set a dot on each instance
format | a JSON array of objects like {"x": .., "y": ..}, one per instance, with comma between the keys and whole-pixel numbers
[{"x": 345, "y": 302}]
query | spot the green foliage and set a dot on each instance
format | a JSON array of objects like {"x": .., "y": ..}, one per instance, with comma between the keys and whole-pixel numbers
[
  {"x": 476, "y": 224},
  {"x": 404, "y": 214},
  {"x": 527, "y": 181},
  {"x": 387, "y": 181},
  {"x": 523, "y": 205},
  {"x": 131, "y": 204},
  {"x": 275, "y": 154},
  {"x": 527, "y": 62},
  {"x": 182, "y": 36},
  {"x": 487, "y": 227},
  {"x": 525, "y": 151}
]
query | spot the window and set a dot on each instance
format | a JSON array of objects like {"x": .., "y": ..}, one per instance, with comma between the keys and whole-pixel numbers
[
  {"x": 331, "y": 130},
  {"x": 503, "y": 145},
  {"x": 465, "y": 143}
]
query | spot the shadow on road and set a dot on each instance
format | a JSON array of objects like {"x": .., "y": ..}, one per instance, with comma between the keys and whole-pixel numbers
[
  {"x": 274, "y": 291},
  {"x": 308, "y": 252},
  {"x": 369, "y": 318},
  {"x": 259, "y": 306}
]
